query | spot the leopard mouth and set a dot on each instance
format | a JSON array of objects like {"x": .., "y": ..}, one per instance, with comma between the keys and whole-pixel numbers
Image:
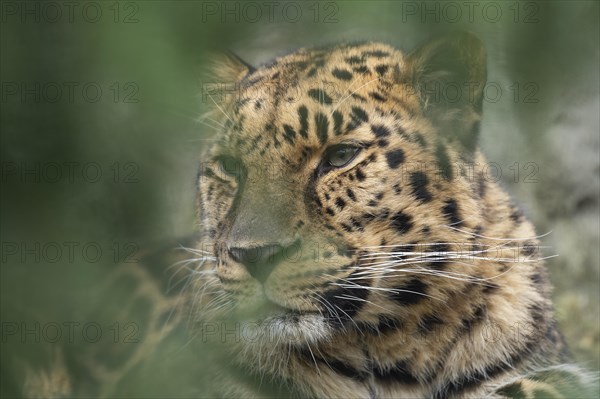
[
  {"x": 293, "y": 327},
  {"x": 270, "y": 310},
  {"x": 269, "y": 321}
]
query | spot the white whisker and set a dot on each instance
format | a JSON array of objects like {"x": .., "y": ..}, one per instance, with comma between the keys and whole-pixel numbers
[
  {"x": 499, "y": 238},
  {"x": 220, "y": 109},
  {"x": 349, "y": 95}
]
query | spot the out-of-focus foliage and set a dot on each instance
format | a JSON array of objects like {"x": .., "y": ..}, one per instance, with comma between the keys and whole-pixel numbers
[{"x": 141, "y": 134}]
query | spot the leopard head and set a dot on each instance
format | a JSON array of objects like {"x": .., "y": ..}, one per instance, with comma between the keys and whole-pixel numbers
[{"x": 330, "y": 167}]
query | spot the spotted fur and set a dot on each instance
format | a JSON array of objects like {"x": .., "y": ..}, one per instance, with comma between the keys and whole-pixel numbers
[{"x": 413, "y": 275}]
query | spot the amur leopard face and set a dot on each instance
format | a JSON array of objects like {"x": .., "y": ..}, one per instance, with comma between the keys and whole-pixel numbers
[{"x": 332, "y": 198}]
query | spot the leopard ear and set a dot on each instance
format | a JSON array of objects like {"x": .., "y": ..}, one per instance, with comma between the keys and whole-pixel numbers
[
  {"x": 229, "y": 68},
  {"x": 221, "y": 83},
  {"x": 449, "y": 74}
]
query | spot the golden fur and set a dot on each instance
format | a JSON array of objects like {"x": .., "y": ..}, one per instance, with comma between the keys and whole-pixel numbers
[{"x": 412, "y": 275}]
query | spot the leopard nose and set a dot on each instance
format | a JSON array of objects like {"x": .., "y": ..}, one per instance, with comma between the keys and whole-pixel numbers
[{"x": 259, "y": 261}]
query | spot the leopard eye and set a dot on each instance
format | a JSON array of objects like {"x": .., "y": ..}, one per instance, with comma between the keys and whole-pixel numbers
[
  {"x": 341, "y": 155},
  {"x": 230, "y": 166}
]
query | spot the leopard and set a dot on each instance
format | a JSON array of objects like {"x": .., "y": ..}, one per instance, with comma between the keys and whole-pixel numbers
[
  {"x": 347, "y": 211},
  {"x": 349, "y": 241}
]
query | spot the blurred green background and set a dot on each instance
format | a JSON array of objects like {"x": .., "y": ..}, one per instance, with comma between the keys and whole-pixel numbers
[{"x": 100, "y": 140}]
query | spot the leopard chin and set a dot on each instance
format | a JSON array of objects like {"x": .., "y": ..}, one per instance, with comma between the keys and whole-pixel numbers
[
  {"x": 264, "y": 322},
  {"x": 295, "y": 328},
  {"x": 281, "y": 333}
]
